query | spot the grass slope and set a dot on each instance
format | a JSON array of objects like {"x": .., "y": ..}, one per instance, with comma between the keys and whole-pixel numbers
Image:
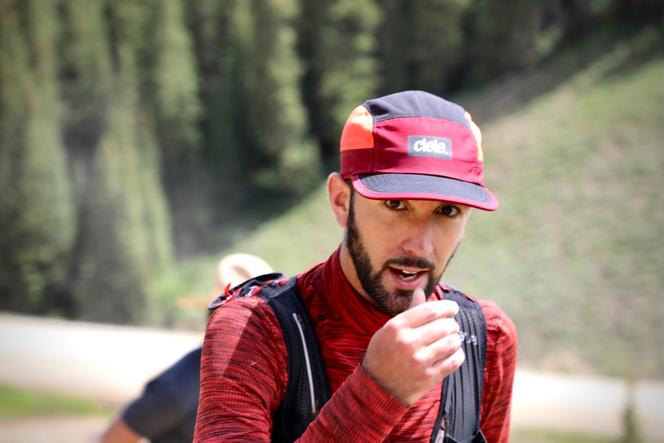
[
  {"x": 19, "y": 403},
  {"x": 576, "y": 250},
  {"x": 575, "y": 253}
]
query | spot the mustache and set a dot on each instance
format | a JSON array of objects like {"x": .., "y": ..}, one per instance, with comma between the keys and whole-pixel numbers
[{"x": 421, "y": 263}]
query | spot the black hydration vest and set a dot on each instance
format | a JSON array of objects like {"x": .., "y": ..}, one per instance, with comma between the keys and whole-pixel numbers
[{"x": 308, "y": 389}]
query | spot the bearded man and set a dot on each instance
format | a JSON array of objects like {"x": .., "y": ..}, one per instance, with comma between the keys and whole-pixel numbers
[{"x": 411, "y": 173}]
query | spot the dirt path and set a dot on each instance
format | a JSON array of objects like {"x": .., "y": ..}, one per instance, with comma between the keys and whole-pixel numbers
[
  {"x": 104, "y": 362},
  {"x": 594, "y": 405},
  {"x": 52, "y": 430}
]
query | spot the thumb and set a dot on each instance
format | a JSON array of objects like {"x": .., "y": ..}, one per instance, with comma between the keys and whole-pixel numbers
[{"x": 418, "y": 298}]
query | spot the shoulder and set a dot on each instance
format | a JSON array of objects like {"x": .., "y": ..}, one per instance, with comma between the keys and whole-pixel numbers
[
  {"x": 500, "y": 327},
  {"x": 181, "y": 377},
  {"x": 243, "y": 336},
  {"x": 239, "y": 314},
  {"x": 169, "y": 400},
  {"x": 188, "y": 363},
  {"x": 243, "y": 327}
]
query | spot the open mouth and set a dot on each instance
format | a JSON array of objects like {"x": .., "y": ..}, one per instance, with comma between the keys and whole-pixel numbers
[{"x": 407, "y": 274}]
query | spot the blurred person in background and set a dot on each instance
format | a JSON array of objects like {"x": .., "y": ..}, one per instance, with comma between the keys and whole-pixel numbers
[
  {"x": 166, "y": 410},
  {"x": 411, "y": 170}
]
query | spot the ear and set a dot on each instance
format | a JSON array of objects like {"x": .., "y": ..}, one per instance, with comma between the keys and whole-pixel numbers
[{"x": 338, "y": 192}]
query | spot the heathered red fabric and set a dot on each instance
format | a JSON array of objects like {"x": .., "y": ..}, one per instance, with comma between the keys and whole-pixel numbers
[{"x": 244, "y": 370}]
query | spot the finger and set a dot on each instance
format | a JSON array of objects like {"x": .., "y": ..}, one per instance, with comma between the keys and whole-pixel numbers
[
  {"x": 428, "y": 312},
  {"x": 440, "y": 349},
  {"x": 418, "y": 298},
  {"x": 436, "y": 330},
  {"x": 446, "y": 366}
]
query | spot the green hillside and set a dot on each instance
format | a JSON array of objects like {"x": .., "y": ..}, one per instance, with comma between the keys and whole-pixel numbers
[
  {"x": 576, "y": 251},
  {"x": 575, "y": 254}
]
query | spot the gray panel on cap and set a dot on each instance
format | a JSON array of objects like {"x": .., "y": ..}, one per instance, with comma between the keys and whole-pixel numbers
[
  {"x": 426, "y": 184},
  {"x": 415, "y": 104}
]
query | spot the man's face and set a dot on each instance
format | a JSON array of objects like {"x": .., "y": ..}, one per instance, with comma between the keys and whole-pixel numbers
[{"x": 397, "y": 246}]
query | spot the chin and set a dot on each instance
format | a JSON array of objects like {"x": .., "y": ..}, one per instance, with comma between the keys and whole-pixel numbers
[{"x": 397, "y": 302}]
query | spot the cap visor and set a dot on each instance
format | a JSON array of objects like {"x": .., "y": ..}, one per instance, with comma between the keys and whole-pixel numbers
[{"x": 424, "y": 187}]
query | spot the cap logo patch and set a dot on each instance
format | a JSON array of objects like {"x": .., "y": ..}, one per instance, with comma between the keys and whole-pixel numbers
[{"x": 427, "y": 146}]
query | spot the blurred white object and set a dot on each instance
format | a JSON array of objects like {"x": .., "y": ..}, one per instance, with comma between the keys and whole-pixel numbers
[{"x": 233, "y": 269}]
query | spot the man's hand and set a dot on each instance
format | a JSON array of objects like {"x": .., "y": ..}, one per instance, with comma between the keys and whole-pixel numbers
[{"x": 416, "y": 349}]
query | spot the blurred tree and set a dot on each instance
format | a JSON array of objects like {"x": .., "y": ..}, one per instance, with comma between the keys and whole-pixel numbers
[
  {"x": 172, "y": 93},
  {"x": 500, "y": 38},
  {"x": 174, "y": 86},
  {"x": 639, "y": 11},
  {"x": 36, "y": 213},
  {"x": 421, "y": 43},
  {"x": 337, "y": 44},
  {"x": 256, "y": 125},
  {"x": 86, "y": 80},
  {"x": 220, "y": 141},
  {"x": 124, "y": 237}
]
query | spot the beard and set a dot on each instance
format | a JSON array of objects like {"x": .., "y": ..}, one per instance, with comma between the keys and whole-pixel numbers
[{"x": 390, "y": 303}]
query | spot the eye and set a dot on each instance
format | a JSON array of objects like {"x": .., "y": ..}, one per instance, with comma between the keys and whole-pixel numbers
[
  {"x": 449, "y": 210},
  {"x": 395, "y": 204}
]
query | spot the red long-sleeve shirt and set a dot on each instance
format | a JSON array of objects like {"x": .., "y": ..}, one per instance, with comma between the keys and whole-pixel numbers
[{"x": 244, "y": 370}]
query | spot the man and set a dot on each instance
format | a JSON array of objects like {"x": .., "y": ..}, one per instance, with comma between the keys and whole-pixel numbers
[
  {"x": 411, "y": 170},
  {"x": 166, "y": 410}
]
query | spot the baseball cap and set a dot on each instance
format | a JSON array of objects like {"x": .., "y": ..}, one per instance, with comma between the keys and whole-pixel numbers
[{"x": 415, "y": 145}]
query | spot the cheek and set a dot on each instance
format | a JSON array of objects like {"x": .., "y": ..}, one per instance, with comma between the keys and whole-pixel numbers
[
  {"x": 379, "y": 242},
  {"x": 447, "y": 240}
]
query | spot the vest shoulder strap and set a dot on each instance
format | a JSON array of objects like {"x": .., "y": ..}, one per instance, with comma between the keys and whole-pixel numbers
[
  {"x": 458, "y": 418},
  {"x": 308, "y": 388}
]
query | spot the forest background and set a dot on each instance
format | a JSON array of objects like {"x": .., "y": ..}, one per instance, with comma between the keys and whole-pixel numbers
[{"x": 142, "y": 140}]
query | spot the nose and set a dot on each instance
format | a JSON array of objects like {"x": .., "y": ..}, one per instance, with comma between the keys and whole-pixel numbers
[{"x": 419, "y": 240}]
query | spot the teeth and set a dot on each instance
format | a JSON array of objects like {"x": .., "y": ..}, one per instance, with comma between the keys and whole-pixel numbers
[{"x": 407, "y": 275}]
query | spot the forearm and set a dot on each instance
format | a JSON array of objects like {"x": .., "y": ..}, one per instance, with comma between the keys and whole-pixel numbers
[{"x": 360, "y": 410}]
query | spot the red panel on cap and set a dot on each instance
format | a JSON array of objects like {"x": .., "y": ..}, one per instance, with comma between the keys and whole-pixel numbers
[{"x": 390, "y": 154}]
